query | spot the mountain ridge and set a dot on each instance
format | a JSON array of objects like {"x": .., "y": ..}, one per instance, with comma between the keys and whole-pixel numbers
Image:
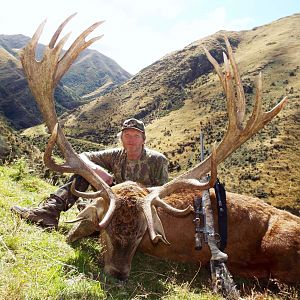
[{"x": 92, "y": 72}]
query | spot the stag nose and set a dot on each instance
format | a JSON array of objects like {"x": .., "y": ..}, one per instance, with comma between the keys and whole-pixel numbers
[{"x": 122, "y": 276}]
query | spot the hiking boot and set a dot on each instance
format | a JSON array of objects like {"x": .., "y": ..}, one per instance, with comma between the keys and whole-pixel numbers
[
  {"x": 47, "y": 215},
  {"x": 40, "y": 216}
]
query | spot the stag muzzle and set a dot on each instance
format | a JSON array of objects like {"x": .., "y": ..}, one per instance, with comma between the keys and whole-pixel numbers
[{"x": 120, "y": 274}]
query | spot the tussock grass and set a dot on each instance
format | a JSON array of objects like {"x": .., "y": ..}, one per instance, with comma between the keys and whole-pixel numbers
[{"x": 38, "y": 264}]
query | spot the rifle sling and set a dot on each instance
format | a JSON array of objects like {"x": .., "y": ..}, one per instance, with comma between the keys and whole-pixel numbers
[{"x": 222, "y": 213}]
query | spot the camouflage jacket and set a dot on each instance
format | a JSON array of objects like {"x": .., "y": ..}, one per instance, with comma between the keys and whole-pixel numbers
[{"x": 150, "y": 170}]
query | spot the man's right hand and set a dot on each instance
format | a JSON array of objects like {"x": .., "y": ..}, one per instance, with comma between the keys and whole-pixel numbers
[{"x": 103, "y": 174}]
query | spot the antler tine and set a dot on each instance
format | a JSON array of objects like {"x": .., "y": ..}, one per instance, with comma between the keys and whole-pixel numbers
[
  {"x": 216, "y": 66},
  {"x": 230, "y": 96},
  {"x": 269, "y": 115},
  {"x": 258, "y": 117},
  {"x": 59, "y": 30},
  {"x": 153, "y": 221},
  {"x": 257, "y": 109},
  {"x": 75, "y": 49},
  {"x": 57, "y": 49},
  {"x": 170, "y": 209},
  {"x": 240, "y": 100},
  {"x": 91, "y": 195},
  {"x": 37, "y": 35},
  {"x": 109, "y": 214}
]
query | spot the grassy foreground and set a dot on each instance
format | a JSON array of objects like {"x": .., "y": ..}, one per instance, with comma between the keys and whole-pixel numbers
[{"x": 37, "y": 264}]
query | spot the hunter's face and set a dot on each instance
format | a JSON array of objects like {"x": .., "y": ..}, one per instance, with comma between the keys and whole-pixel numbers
[{"x": 133, "y": 140}]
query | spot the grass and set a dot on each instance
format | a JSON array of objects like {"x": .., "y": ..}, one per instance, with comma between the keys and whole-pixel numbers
[{"x": 38, "y": 264}]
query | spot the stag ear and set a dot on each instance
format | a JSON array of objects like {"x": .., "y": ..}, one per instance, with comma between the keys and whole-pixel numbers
[
  {"x": 92, "y": 211},
  {"x": 87, "y": 221},
  {"x": 159, "y": 233}
]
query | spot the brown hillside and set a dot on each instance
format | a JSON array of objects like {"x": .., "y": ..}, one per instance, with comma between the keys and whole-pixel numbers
[{"x": 180, "y": 93}]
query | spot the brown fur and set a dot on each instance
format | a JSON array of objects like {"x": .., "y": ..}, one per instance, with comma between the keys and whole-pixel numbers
[{"x": 125, "y": 223}]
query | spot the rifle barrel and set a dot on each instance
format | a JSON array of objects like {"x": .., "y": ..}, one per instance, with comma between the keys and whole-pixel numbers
[{"x": 202, "y": 146}]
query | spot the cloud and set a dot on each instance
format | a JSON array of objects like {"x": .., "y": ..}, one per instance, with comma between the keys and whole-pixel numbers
[{"x": 151, "y": 43}]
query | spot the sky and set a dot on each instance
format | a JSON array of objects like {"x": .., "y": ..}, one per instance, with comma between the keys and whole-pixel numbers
[{"x": 139, "y": 32}]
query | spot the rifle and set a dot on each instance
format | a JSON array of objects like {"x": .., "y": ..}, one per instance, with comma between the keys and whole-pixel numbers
[
  {"x": 199, "y": 214},
  {"x": 221, "y": 278},
  {"x": 205, "y": 211}
]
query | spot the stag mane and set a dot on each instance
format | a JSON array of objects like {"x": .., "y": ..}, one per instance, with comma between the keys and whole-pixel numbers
[{"x": 124, "y": 223}]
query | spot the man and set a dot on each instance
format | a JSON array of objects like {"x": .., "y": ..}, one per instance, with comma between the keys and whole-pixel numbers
[{"x": 131, "y": 162}]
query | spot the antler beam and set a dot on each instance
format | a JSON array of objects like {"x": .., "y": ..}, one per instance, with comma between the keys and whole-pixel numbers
[{"x": 43, "y": 77}]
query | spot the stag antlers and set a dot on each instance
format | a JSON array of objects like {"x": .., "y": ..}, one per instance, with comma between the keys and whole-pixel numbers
[{"x": 43, "y": 77}]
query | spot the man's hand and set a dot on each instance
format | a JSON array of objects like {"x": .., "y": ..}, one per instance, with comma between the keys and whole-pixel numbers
[{"x": 103, "y": 174}]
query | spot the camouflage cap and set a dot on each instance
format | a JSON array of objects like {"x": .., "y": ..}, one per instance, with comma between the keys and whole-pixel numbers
[{"x": 133, "y": 124}]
